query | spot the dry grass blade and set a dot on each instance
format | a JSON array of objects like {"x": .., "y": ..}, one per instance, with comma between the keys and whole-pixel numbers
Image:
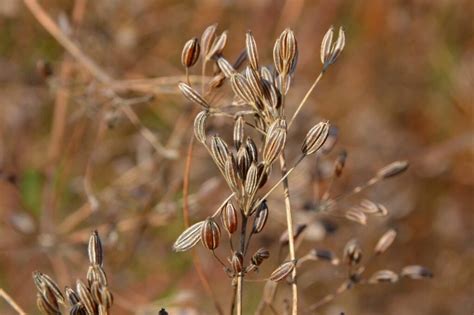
[{"x": 188, "y": 238}]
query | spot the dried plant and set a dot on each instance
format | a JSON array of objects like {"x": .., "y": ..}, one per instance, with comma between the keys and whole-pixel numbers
[
  {"x": 88, "y": 298},
  {"x": 261, "y": 123}
]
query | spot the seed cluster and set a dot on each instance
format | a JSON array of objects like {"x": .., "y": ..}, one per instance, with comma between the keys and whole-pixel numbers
[{"x": 89, "y": 298}]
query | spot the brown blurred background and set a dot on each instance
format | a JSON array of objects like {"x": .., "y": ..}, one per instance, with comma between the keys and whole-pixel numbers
[{"x": 402, "y": 89}]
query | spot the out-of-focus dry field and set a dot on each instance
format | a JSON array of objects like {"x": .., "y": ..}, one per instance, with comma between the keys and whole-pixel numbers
[{"x": 72, "y": 161}]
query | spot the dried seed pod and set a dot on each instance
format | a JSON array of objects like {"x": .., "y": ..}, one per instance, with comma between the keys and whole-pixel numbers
[
  {"x": 251, "y": 182},
  {"x": 78, "y": 309},
  {"x": 252, "y": 51},
  {"x": 263, "y": 173},
  {"x": 261, "y": 216},
  {"x": 356, "y": 216},
  {"x": 284, "y": 240},
  {"x": 226, "y": 68},
  {"x": 106, "y": 297},
  {"x": 237, "y": 262},
  {"x": 274, "y": 142},
  {"x": 43, "y": 281},
  {"x": 95, "y": 273},
  {"x": 273, "y": 94},
  {"x": 393, "y": 169},
  {"x": 352, "y": 252},
  {"x": 51, "y": 303},
  {"x": 315, "y": 138},
  {"x": 381, "y": 210},
  {"x": 85, "y": 297},
  {"x": 190, "y": 53},
  {"x": 266, "y": 74},
  {"x": 231, "y": 174},
  {"x": 383, "y": 276},
  {"x": 239, "y": 131},
  {"x": 200, "y": 126},
  {"x": 71, "y": 296},
  {"x": 210, "y": 234},
  {"x": 251, "y": 149},
  {"x": 255, "y": 83},
  {"x": 230, "y": 218},
  {"x": 326, "y": 45},
  {"x": 385, "y": 241},
  {"x": 207, "y": 38},
  {"x": 324, "y": 254},
  {"x": 287, "y": 49},
  {"x": 188, "y": 238},
  {"x": 217, "y": 46},
  {"x": 340, "y": 162},
  {"x": 277, "y": 59},
  {"x": 95, "y": 251},
  {"x": 416, "y": 272},
  {"x": 368, "y": 207},
  {"x": 243, "y": 162},
  {"x": 192, "y": 95},
  {"x": 241, "y": 88},
  {"x": 219, "y": 151},
  {"x": 260, "y": 255},
  {"x": 47, "y": 307},
  {"x": 330, "y": 51},
  {"x": 282, "y": 271}
]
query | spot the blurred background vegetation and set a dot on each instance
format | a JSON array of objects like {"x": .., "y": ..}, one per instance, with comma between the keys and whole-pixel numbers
[{"x": 71, "y": 161}]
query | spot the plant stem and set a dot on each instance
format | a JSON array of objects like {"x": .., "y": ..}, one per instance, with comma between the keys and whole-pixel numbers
[
  {"x": 291, "y": 243},
  {"x": 305, "y": 98}
]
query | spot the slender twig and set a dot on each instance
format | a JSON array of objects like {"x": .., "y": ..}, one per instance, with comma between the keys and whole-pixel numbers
[
  {"x": 11, "y": 302},
  {"x": 289, "y": 223},
  {"x": 305, "y": 98}
]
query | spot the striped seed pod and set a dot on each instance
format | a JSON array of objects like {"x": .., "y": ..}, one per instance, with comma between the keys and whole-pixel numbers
[
  {"x": 282, "y": 271},
  {"x": 190, "y": 53},
  {"x": 43, "y": 281},
  {"x": 238, "y": 131},
  {"x": 315, "y": 138},
  {"x": 237, "y": 262},
  {"x": 207, "y": 38},
  {"x": 260, "y": 255},
  {"x": 231, "y": 173},
  {"x": 416, "y": 272},
  {"x": 226, "y": 68},
  {"x": 95, "y": 250},
  {"x": 263, "y": 174},
  {"x": 210, "y": 234},
  {"x": 85, "y": 297},
  {"x": 241, "y": 88},
  {"x": 325, "y": 255},
  {"x": 188, "y": 238},
  {"x": 217, "y": 46},
  {"x": 229, "y": 217},
  {"x": 200, "y": 126},
  {"x": 219, "y": 151},
  {"x": 95, "y": 273},
  {"x": 252, "y": 52},
  {"x": 261, "y": 216},
  {"x": 352, "y": 252},
  {"x": 274, "y": 142},
  {"x": 243, "y": 162},
  {"x": 330, "y": 51},
  {"x": 255, "y": 83},
  {"x": 192, "y": 95},
  {"x": 46, "y": 306},
  {"x": 393, "y": 169},
  {"x": 356, "y": 215},
  {"x": 381, "y": 276},
  {"x": 251, "y": 149},
  {"x": 72, "y": 296},
  {"x": 385, "y": 241},
  {"x": 251, "y": 183}
]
